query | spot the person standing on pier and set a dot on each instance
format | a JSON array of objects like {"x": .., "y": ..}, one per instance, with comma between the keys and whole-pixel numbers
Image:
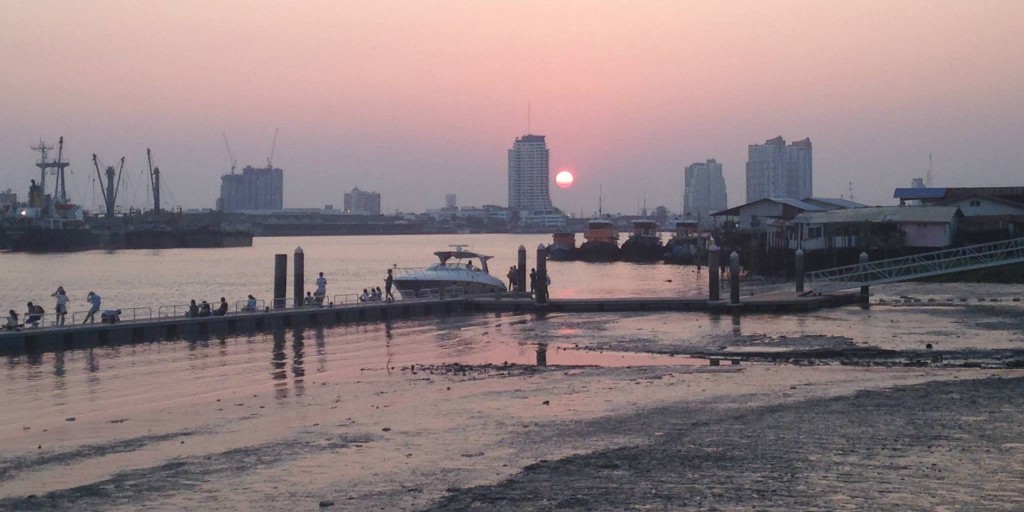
[
  {"x": 533, "y": 279},
  {"x": 321, "y": 289},
  {"x": 388, "y": 282},
  {"x": 62, "y": 305},
  {"x": 93, "y": 299},
  {"x": 511, "y": 278}
]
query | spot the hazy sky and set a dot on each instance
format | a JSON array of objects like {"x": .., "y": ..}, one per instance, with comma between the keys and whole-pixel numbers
[{"x": 416, "y": 99}]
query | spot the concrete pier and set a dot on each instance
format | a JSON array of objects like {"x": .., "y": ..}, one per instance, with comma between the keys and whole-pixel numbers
[{"x": 48, "y": 339}]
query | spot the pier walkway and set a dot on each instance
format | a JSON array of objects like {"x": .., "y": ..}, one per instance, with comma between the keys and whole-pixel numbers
[
  {"x": 167, "y": 328},
  {"x": 927, "y": 264}
]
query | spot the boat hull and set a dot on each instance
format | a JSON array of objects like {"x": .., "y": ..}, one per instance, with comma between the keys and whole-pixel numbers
[
  {"x": 562, "y": 252},
  {"x": 410, "y": 288},
  {"x": 642, "y": 249},
  {"x": 599, "y": 252}
]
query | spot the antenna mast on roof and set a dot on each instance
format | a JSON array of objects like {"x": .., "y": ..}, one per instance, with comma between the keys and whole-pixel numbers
[{"x": 851, "y": 191}]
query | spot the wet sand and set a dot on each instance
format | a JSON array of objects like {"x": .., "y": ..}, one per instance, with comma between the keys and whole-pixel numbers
[{"x": 844, "y": 409}]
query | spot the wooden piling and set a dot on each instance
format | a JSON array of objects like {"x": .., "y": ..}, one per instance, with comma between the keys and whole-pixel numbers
[
  {"x": 713, "y": 269},
  {"x": 298, "y": 287},
  {"x": 280, "y": 280},
  {"x": 541, "y": 290},
  {"x": 864, "y": 295},
  {"x": 799, "y": 270},
  {"x": 521, "y": 270},
  {"x": 734, "y": 278}
]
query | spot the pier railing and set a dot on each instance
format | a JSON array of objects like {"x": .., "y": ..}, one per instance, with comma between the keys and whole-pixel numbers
[{"x": 935, "y": 263}]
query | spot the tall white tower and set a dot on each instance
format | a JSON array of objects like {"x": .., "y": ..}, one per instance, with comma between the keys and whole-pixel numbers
[{"x": 529, "y": 174}]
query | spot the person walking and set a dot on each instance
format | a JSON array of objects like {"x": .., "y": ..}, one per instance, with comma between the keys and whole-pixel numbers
[
  {"x": 62, "y": 305},
  {"x": 93, "y": 299},
  {"x": 388, "y": 282}
]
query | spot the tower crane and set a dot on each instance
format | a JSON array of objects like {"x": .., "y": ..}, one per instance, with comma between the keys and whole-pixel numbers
[
  {"x": 272, "y": 147},
  {"x": 230, "y": 154}
]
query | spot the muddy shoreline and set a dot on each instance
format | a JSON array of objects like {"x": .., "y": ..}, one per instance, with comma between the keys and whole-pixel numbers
[{"x": 910, "y": 406}]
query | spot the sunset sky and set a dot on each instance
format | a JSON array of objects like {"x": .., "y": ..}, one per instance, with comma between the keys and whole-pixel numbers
[{"x": 416, "y": 99}]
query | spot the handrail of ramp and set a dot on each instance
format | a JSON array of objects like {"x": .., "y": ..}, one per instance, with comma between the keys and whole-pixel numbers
[{"x": 935, "y": 263}]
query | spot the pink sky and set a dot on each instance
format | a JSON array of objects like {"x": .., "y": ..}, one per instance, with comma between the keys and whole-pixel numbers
[{"x": 418, "y": 99}]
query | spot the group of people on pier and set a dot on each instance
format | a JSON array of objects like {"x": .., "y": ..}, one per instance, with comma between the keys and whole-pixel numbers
[{"x": 34, "y": 312}]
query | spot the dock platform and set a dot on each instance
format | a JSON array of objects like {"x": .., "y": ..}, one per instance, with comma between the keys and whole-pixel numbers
[{"x": 70, "y": 337}]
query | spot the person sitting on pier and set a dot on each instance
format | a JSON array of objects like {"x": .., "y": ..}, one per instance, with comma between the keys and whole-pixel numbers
[
  {"x": 309, "y": 300},
  {"x": 193, "y": 310},
  {"x": 222, "y": 309},
  {"x": 204, "y": 310},
  {"x": 365, "y": 296},
  {"x": 95, "y": 301},
  {"x": 12, "y": 321},
  {"x": 33, "y": 315},
  {"x": 110, "y": 316}
]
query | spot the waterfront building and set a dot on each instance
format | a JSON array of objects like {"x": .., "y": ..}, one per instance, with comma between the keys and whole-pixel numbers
[
  {"x": 362, "y": 202},
  {"x": 253, "y": 189},
  {"x": 921, "y": 227},
  {"x": 704, "y": 190},
  {"x": 529, "y": 174},
  {"x": 450, "y": 202},
  {"x": 8, "y": 201},
  {"x": 775, "y": 170}
]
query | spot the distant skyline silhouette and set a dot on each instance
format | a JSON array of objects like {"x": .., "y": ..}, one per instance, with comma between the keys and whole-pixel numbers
[{"x": 417, "y": 100}]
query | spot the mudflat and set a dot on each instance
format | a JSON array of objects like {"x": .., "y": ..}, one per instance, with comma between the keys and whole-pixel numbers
[{"x": 911, "y": 404}]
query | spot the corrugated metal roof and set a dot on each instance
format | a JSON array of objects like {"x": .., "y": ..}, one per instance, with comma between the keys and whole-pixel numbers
[
  {"x": 841, "y": 203},
  {"x": 735, "y": 210},
  {"x": 880, "y": 214},
  {"x": 919, "y": 193}
]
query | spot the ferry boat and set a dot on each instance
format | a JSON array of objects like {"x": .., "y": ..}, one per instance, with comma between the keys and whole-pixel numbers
[
  {"x": 454, "y": 275},
  {"x": 688, "y": 246},
  {"x": 602, "y": 241},
  {"x": 563, "y": 247},
  {"x": 644, "y": 245}
]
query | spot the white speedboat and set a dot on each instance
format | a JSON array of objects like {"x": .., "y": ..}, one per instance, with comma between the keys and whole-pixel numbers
[{"x": 455, "y": 274}]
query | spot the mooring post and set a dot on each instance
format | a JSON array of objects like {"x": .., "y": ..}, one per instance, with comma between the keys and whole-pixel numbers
[
  {"x": 280, "y": 280},
  {"x": 714, "y": 288},
  {"x": 521, "y": 270},
  {"x": 734, "y": 278},
  {"x": 542, "y": 354},
  {"x": 300, "y": 276},
  {"x": 863, "y": 267},
  {"x": 540, "y": 292},
  {"x": 799, "y": 270}
]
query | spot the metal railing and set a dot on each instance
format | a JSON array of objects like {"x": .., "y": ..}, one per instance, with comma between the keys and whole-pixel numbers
[
  {"x": 122, "y": 315},
  {"x": 935, "y": 263},
  {"x": 243, "y": 306}
]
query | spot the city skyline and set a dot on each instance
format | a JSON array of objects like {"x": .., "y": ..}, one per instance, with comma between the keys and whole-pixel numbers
[{"x": 417, "y": 101}]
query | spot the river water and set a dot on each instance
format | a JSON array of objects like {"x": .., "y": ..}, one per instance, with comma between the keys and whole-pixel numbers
[
  {"x": 219, "y": 421},
  {"x": 153, "y": 278}
]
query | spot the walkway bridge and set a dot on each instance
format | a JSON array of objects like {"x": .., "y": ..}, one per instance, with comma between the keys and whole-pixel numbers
[{"x": 927, "y": 264}]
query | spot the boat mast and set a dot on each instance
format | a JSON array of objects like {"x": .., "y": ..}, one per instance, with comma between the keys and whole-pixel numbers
[
  {"x": 60, "y": 189},
  {"x": 110, "y": 190},
  {"x": 43, "y": 165},
  {"x": 154, "y": 178}
]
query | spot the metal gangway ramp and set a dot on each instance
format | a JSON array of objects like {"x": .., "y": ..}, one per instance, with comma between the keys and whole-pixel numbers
[{"x": 894, "y": 270}]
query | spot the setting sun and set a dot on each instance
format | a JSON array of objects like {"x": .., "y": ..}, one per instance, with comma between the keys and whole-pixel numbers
[{"x": 564, "y": 178}]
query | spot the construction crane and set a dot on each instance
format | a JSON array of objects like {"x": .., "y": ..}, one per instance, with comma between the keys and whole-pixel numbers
[
  {"x": 272, "y": 147},
  {"x": 230, "y": 154},
  {"x": 154, "y": 179},
  {"x": 110, "y": 190}
]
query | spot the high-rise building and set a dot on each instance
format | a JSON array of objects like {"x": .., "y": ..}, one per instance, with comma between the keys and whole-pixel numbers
[
  {"x": 776, "y": 170},
  {"x": 529, "y": 174},
  {"x": 450, "y": 203},
  {"x": 361, "y": 202},
  {"x": 704, "y": 191},
  {"x": 253, "y": 189}
]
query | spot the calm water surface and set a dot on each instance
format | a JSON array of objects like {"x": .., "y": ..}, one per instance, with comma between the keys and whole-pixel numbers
[{"x": 154, "y": 278}]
